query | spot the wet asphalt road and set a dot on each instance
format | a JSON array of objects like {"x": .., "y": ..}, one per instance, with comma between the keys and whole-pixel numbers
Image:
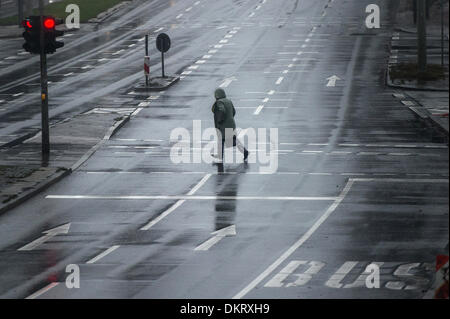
[{"x": 358, "y": 181}]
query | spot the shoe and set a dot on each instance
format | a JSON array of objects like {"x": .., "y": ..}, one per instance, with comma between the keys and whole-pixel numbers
[{"x": 245, "y": 155}]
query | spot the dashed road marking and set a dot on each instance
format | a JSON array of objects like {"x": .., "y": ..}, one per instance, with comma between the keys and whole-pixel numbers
[{"x": 103, "y": 254}]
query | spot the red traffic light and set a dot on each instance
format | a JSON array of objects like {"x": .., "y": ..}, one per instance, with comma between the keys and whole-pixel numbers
[
  {"x": 27, "y": 24},
  {"x": 49, "y": 23}
]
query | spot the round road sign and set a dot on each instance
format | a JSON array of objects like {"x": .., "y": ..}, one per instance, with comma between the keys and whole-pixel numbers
[{"x": 163, "y": 42}]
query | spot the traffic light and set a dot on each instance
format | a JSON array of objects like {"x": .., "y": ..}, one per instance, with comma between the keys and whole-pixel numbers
[
  {"x": 32, "y": 36},
  {"x": 51, "y": 43}
]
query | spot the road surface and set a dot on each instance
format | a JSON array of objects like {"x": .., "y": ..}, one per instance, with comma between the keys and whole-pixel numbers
[{"x": 358, "y": 182}]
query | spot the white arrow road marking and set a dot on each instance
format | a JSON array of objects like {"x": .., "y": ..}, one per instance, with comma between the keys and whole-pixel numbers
[
  {"x": 227, "y": 82},
  {"x": 332, "y": 80},
  {"x": 218, "y": 236},
  {"x": 63, "y": 229}
]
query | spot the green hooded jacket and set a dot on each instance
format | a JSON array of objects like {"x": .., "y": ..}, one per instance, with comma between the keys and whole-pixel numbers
[{"x": 224, "y": 112}]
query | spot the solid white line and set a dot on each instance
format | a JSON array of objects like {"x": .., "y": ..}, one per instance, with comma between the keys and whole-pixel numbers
[
  {"x": 136, "y": 112},
  {"x": 43, "y": 290},
  {"x": 296, "y": 245},
  {"x": 401, "y": 180},
  {"x": 183, "y": 198},
  {"x": 103, "y": 254},
  {"x": 177, "y": 204},
  {"x": 163, "y": 215},
  {"x": 200, "y": 184}
]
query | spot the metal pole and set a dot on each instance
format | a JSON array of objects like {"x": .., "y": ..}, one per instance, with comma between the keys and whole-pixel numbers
[
  {"x": 44, "y": 90},
  {"x": 422, "y": 36},
  {"x": 146, "y": 54},
  {"x": 20, "y": 11},
  {"x": 162, "y": 57},
  {"x": 442, "y": 32}
]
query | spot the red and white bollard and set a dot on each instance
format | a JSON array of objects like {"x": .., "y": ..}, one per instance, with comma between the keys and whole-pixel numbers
[{"x": 441, "y": 283}]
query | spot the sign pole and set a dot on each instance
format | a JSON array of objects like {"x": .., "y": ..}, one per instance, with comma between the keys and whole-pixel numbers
[
  {"x": 146, "y": 55},
  {"x": 162, "y": 58},
  {"x": 44, "y": 90},
  {"x": 442, "y": 33}
]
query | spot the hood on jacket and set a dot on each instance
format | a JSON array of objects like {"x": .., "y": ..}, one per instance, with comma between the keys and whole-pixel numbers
[{"x": 220, "y": 94}]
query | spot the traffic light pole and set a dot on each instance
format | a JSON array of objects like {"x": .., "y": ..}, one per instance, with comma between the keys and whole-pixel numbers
[
  {"x": 422, "y": 36},
  {"x": 44, "y": 91}
]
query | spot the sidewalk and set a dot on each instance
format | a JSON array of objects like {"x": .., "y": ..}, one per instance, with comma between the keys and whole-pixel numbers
[{"x": 428, "y": 101}]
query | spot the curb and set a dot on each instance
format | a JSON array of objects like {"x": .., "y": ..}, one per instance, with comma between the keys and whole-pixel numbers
[
  {"x": 143, "y": 88},
  {"x": 390, "y": 84},
  {"x": 40, "y": 187},
  {"x": 109, "y": 12}
]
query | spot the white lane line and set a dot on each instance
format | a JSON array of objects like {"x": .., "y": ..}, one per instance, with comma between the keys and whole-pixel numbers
[
  {"x": 223, "y": 41},
  {"x": 271, "y": 92},
  {"x": 207, "y": 56},
  {"x": 43, "y": 290},
  {"x": 103, "y": 254},
  {"x": 196, "y": 3},
  {"x": 296, "y": 245},
  {"x": 188, "y": 9},
  {"x": 212, "y": 51},
  {"x": 179, "y": 16},
  {"x": 200, "y": 184},
  {"x": 177, "y": 204},
  {"x": 399, "y": 154},
  {"x": 258, "y": 110},
  {"x": 193, "y": 67},
  {"x": 183, "y": 198},
  {"x": 251, "y": 14},
  {"x": 280, "y": 79},
  {"x": 158, "y": 30},
  {"x": 218, "y": 46},
  {"x": 200, "y": 62},
  {"x": 402, "y": 180},
  {"x": 136, "y": 112},
  {"x": 163, "y": 215},
  {"x": 18, "y": 94}
]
